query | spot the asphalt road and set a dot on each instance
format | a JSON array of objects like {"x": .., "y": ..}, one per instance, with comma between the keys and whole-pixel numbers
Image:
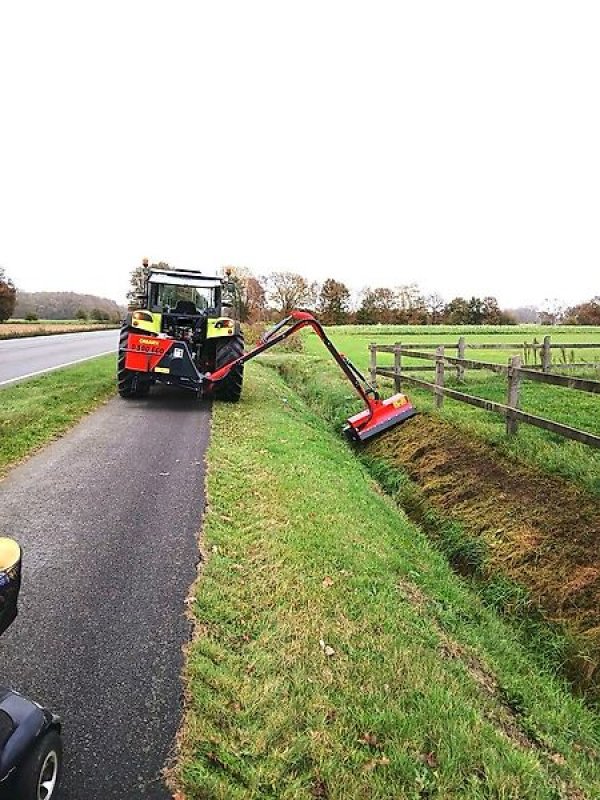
[
  {"x": 108, "y": 518},
  {"x": 24, "y": 358}
]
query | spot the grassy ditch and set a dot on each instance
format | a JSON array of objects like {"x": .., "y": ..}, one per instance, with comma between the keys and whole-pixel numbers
[
  {"x": 336, "y": 653},
  {"x": 531, "y": 446},
  {"x": 38, "y": 410},
  {"x": 527, "y": 539},
  {"x": 545, "y": 450}
]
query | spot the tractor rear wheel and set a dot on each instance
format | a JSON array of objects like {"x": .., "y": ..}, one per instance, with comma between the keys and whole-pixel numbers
[
  {"x": 230, "y": 387},
  {"x": 129, "y": 382}
]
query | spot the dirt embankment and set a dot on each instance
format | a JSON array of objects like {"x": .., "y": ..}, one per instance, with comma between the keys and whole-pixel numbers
[{"x": 540, "y": 531}]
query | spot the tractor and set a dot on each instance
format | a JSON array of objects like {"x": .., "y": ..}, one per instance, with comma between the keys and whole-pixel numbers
[
  {"x": 180, "y": 337},
  {"x": 184, "y": 326}
]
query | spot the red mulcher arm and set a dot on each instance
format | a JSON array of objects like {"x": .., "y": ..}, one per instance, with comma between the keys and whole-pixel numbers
[{"x": 378, "y": 416}]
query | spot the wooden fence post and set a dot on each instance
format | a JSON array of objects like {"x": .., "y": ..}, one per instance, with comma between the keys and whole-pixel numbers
[
  {"x": 512, "y": 400},
  {"x": 546, "y": 355},
  {"x": 373, "y": 364},
  {"x": 397, "y": 367},
  {"x": 460, "y": 369},
  {"x": 439, "y": 377}
]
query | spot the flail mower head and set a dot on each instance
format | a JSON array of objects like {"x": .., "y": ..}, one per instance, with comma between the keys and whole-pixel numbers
[{"x": 380, "y": 416}]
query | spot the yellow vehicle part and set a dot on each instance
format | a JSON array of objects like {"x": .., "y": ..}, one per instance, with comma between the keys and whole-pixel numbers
[
  {"x": 10, "y": 553},
  {"x": 222, "y": 326},
  {"x": 146, "y": 321}
]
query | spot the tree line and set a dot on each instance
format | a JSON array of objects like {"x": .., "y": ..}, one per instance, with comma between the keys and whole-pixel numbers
[
  {"x": 276, "y": 294},
  {"x": 269, "y": 297},
  {"x": 54, "y": 305},
  {"x": 279, "y": 292}
]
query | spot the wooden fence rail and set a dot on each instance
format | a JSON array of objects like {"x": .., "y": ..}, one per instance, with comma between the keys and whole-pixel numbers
[
  {"x": 514, "y": 372},
  {"x": 543, "y": 349}
]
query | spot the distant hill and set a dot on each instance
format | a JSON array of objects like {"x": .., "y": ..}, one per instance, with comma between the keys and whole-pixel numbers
[{"x": 63, "y": 305}]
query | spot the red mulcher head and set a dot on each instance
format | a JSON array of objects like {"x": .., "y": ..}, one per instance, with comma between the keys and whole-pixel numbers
[{"x": 378, "y": 417}]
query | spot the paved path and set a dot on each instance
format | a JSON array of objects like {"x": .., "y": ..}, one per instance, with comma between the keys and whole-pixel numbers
[
  {"x": 108, "y": 518},
  {"x": 32, "y": 355}
]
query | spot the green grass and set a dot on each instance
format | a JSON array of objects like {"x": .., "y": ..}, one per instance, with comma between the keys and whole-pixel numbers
[
  {"x": 484, "y": 333},
  {"x": 354, "y": 340},
  {"x": 548, "y": 451},
  {"x": 424, "y": 693},
  {"x": 38, "y": 410},
  {"x": 565, "y": 645}
]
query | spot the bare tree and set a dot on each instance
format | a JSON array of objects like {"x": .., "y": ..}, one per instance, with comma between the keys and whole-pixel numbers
[
  {"x": 552, "y": 312},
  {"x": 435, "y": 307},
  {"x": 289, "y": 290},
  {"x": 410, "y": 305}
]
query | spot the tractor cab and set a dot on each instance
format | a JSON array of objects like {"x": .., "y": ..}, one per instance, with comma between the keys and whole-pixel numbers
[
  {"x": 186, "y": 302},
  {"x": 168, "y": 291}
]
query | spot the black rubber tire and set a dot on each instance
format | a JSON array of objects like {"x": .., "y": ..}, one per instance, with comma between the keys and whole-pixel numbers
[
  {"x": 129, "y": 383},
  {"x": 29, "y": 775},
  {"x": 230, "y": 388}
]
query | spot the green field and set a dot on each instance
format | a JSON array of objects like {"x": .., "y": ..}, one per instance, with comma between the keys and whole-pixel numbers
[
  {"x": 548, "y": 451},
  {"x": 354, "y": 340},
  {"x": 20, "y": 328},
  {"x": 336, "y": 655}
]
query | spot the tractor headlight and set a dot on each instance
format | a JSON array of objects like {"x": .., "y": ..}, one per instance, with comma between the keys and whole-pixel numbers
[{"x": 141, "y": 316}]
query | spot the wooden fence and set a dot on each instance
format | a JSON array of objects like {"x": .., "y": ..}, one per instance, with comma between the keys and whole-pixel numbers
[
  {"x": 514, "y": 372},
  {"x": 536, "y": 355}
]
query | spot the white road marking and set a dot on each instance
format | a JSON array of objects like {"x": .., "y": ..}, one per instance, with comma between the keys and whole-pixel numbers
[{"x": 58, "y": 366}]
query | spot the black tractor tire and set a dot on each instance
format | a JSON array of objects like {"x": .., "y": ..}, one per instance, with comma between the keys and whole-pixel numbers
[
  {"x": 129, "y": 383},
  {"x": 230, "y": 387},
  {"x": 40, "y": 773}
]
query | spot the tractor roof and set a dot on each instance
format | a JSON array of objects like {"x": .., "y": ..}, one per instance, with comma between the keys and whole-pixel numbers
[{"x": 184, "y": 277}]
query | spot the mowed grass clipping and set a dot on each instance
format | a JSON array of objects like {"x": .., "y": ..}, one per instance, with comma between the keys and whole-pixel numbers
[
  {"x": 36, "y": 411},
  {"x": 336, "y": 654}
]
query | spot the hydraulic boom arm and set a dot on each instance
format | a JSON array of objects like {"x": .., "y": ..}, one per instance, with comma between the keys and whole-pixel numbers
[{"x": 378, "y": 415}]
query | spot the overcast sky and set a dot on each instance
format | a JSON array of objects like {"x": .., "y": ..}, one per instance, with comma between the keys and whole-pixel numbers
[{"x": 455, "y": 144}]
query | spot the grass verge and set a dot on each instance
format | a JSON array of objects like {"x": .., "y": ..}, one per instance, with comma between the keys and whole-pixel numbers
[
  {"x": 336, "y": 653},
  {"x": 38, "y": 410},
  {"x": 528, "y": 541}
]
